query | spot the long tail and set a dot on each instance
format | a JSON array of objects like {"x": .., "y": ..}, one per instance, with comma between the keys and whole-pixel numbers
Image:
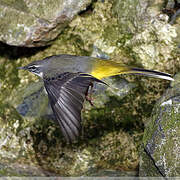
[
  {"x": 150, "y": 73},
  {"x": 104, "y": 68}
]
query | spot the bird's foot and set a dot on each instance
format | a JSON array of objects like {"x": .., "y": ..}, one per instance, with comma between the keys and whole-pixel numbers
[
  {"x": 88, "y": 95},
  {"x": 89, "y": 99}
]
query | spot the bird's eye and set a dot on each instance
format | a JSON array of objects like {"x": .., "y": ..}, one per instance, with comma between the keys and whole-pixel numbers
[{"x": 32, "y": 67}]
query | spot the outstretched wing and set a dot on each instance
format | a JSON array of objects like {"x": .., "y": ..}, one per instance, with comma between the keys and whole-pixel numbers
[{"x": 66, "y": 95}]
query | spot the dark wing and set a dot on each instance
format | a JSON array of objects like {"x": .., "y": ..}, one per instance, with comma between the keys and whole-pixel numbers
[{"x": 66, "y": 95}]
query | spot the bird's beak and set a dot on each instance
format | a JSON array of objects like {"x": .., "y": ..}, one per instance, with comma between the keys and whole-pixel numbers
[{"x": 21, "y": 67}]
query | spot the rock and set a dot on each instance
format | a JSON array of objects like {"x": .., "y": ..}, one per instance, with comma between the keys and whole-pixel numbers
[
  {"x": 32, "y": 23},
  {"x": 114, "y": 173},
  {"x": 27, "y": 145},
  {"x": 152, "y": 40},
  {"x": 162, "y": 136},
  {"x": 172, "y": 10},
  {"x": 131, "y": 15},
  {"x": 34, "y": 102}
]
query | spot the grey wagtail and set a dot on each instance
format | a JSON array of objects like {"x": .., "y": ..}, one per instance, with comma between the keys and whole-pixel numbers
[{"x": 67, "y": 79}]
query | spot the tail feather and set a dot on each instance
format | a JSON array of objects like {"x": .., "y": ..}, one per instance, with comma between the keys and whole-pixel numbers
[
  {"x": 104, "y": 68},
  {"x": 151, "y": 73}
]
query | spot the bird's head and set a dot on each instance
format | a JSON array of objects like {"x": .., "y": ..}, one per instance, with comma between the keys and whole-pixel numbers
[
  {"x": 35, "y": 67},
  {"x": 49, "y": 66}
]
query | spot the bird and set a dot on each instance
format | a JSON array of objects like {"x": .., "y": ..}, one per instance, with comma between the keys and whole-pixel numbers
[{"x": 67, "y": 80}]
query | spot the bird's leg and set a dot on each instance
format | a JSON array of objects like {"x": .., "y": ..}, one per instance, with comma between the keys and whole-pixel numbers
[{"x": 88, "y": 94}]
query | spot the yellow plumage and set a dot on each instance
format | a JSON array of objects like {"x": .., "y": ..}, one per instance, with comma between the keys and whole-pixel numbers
[{"x": 105, "y": 68}]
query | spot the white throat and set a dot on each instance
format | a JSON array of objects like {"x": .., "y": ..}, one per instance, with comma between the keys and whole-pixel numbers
[{"x": 39, "y": 74}]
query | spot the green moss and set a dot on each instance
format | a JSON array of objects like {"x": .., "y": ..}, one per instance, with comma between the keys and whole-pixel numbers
[
  {"x": 168, "y": 121},
  {"x": 8, "y": 115},
  {"x": 7, "y": 172},
  {"x": 127, "y": 15},
  {"x": 16, "y": 4}
]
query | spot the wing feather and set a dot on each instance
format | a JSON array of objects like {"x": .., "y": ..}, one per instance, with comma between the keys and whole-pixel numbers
[
  {"x": 66, "y": 94},
  {"x": 73, "y": 118}
]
